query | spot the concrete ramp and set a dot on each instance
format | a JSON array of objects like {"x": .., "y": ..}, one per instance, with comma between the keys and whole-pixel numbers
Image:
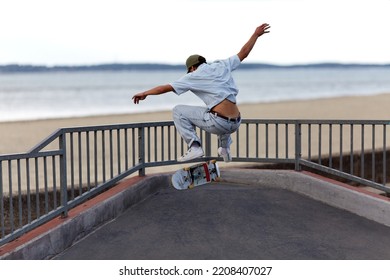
[{"x": 250, "y": 214}]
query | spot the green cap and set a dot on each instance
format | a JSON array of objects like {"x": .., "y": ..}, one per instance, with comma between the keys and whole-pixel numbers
[{"x": 193, "y": 60}]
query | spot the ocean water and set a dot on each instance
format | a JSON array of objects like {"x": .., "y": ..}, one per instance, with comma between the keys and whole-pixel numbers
[{"x": 31, "y": 96}]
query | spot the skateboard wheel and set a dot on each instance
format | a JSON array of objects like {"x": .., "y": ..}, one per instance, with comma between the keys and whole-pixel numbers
[
  {"x": 213, "y": 161},
  {"x": 186, "y": 168}
]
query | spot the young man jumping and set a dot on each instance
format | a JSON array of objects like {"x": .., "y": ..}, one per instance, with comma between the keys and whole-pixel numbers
[{"x": 214, "y": 84}]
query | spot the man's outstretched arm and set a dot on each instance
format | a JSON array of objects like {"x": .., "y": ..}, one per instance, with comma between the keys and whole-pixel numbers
[
  {"x": 247, "y": 48},
  {"x": 154, "y": 91}
]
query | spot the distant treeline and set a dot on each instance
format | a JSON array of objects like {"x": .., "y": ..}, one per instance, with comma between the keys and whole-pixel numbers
[{"x": 15, "y": 68}]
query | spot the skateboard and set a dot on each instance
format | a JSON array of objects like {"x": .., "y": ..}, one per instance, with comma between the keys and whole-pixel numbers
[{"x": 196, "y": 175}]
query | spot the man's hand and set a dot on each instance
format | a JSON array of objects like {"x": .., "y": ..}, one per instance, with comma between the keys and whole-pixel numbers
[
  {"x": 262, "y": 29},
  {"x": 138, "y": 97},
  {"x": 247, "y": 48}
]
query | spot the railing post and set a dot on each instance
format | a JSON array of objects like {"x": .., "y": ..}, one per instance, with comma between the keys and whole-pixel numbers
[
  {"x": 63, "y": 174},
  {"x": 208, "y": 144},
  {"x": 141, "y": 150},
  {"x": 298, "y": 145},
  {"x": 2, "y": 232}
]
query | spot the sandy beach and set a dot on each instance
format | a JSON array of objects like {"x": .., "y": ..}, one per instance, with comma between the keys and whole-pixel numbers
[
  {"x": 17, "y": 137},
  {"x": 20, "y": 136}
]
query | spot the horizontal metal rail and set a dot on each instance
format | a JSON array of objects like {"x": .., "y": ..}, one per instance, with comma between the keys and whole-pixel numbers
[{"x": 74, "y": 164}]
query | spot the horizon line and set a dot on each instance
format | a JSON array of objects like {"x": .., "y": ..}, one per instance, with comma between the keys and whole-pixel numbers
[{"x": 116, "y": 66}]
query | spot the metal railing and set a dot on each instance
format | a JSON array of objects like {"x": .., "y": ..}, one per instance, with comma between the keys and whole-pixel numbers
[{"x": 74, "y": 164}]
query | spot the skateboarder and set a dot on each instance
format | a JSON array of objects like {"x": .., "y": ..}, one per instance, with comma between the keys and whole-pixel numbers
[{"x": 214, "y": 84}]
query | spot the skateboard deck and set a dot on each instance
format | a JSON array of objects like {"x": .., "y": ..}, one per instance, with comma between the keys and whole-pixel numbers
[{"x": 196, "y": 175}]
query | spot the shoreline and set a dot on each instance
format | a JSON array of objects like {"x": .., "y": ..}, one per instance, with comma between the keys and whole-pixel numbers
[
  {"x": 164, "y": 111},
  {"x": 20, "y": 136}
]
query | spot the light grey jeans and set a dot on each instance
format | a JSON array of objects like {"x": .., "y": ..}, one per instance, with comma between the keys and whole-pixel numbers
[{"x": 187, "y": 118}]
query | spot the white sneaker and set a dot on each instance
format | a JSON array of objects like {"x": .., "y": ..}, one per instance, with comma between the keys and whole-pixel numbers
[
  {"x": 192, "y": 153},
  {"x": 225, "y": 154}
]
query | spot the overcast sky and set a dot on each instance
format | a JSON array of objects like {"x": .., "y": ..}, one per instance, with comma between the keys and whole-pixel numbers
[{"x": 74, "y": 32}]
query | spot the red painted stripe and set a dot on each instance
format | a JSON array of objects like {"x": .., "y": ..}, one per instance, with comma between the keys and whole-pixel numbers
[{"x": 207, "y": 172}]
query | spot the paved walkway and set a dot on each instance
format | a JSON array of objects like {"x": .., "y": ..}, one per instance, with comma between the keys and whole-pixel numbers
[{"x": 234, "y": 221}]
